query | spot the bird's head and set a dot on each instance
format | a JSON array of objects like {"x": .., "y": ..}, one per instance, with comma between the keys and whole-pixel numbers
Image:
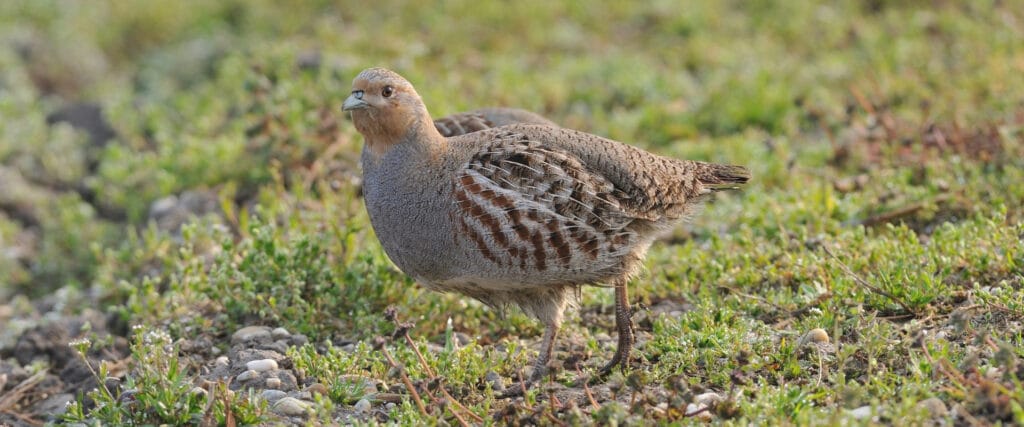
[{"x": 386, "y": 108}]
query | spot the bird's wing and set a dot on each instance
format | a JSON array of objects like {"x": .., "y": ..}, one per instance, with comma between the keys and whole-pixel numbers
[
  {"x": 646, "y": 186},
  {"x": 461, "y": 124},
  {"x": 527, "y": 203},
  {"x": 486, "y": 118}
]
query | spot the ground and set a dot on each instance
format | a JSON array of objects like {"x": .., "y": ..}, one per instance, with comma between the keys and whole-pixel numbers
[{"x": 182, "y": 238}]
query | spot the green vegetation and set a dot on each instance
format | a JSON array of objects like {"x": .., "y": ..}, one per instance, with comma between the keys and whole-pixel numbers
[{"x": 886, "y": 141}]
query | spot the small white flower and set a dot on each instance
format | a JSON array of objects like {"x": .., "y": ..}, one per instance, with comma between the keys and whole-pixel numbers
[{"x": 79, "y": 342}]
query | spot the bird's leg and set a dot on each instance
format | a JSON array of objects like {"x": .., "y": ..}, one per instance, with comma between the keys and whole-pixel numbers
[
  {"x": 547, "y": 347},
  {"x": 624, "y": 324},
  {"x": 540, "y": 365}
]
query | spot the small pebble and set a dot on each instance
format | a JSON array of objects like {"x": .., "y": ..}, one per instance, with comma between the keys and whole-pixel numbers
[
  {"x": 389, "y": 406},
  {"x": 861, "y": 413},
  {"x": 935, "y": 407},
  {"x": 492, "y": 378},
  {"x": 262, "y": 365},
  {"x": 54, "y": 406},
  {"x": 815, "y": 336},
  {"x": 162, "y": 206},
  {"x": 363, "y": 406},
  {"x": 127, "y": 396},
  {"x": 692, "y": 408},
  {"x": 250, "y": 333},
  {"x": 247, "y": 376},
  {"x": 844, "y": 185},
  {"x": 290, "y": 406},
  {"x": 273, "y": 382},
  {"x": 113, "y": 384},
  {"x": 273, "y": 395},
  {"x": 222, "y": 361},
  {"x": 277, "y": 346},
  {"x": 280, "y": 333},
  {"x": 198, "y": 391},
  {"x": 299, "y": 340},
  {"x": 317, "y": 388},
  {"x": 708, "y": 398}
]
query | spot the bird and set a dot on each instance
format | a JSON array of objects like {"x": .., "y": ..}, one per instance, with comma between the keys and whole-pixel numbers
[
  {"x": 486, "y": 118},
  {"x": 523, "y": 214}
]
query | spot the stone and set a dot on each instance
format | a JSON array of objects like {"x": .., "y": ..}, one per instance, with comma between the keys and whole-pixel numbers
[
  {"x": 862, "y": 413},
  {"x": 699, "y": 411},
  {"x": 496, "y": 382},
  {"x": 277, "y": 346},
  {"x": 708, "y": 398},
  {"x": 935, "y": 407},
  {"x": 280, "y": 333},
  {"x": 291, "y": 406},
  {"x": 88, "y": 117},
  {"x": 262, "y": 365},
  {"x": 55, "y": 406},
  {"x": 815, "y": 336},
  {"x": 250, "y": 333},
  {"x": 247, "y": 376},
  {"x": 363, "y": 406},
  {"x": 272, "y": 395},
  {"x": 273, "y": 382},
  {"x": 299, "y": 340},
  {"x": 317, "y": 388},
  {"x": 250, "y": 354}
]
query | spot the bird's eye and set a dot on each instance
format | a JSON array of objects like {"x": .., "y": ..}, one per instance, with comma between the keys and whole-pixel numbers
[{"x": 387, "y": 91}]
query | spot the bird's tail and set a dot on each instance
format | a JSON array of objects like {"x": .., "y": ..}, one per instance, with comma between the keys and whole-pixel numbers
[{"x": 717, "y": 177}]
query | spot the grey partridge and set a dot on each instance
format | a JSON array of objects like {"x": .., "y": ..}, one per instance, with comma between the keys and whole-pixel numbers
[
  {"x": 486, "y": 118},
  {"x": 521, "y": 214}
]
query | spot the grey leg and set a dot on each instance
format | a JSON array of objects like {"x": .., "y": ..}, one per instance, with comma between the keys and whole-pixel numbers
[{"x": 547, "y": 347}]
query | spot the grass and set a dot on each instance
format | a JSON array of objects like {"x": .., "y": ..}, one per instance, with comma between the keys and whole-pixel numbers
[{"x": 885, "y": 141}]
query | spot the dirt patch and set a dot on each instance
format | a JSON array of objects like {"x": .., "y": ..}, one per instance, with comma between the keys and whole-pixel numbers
[
  {"x": 873, "y": 134},
  {"x": 31, "y": 395}
]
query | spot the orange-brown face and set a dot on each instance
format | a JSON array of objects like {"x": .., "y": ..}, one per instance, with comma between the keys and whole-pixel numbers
[{"x": 384, "y": 106}]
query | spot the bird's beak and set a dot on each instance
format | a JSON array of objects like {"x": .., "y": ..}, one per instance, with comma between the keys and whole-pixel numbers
[{"x": 354, "y": 102}]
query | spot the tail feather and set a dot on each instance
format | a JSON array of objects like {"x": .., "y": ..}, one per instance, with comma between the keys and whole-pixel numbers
[{"x": 717, "y": 177}]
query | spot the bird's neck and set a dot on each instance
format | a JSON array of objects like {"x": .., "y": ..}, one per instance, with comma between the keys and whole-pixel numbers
[{"x": 420, "y": 135}]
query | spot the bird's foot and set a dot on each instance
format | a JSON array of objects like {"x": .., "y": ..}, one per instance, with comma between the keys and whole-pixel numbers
[
  {"x": 516, "y": 390},
  {"x": 620, "y": 360},
  {"x": 538, "y": 374}
]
